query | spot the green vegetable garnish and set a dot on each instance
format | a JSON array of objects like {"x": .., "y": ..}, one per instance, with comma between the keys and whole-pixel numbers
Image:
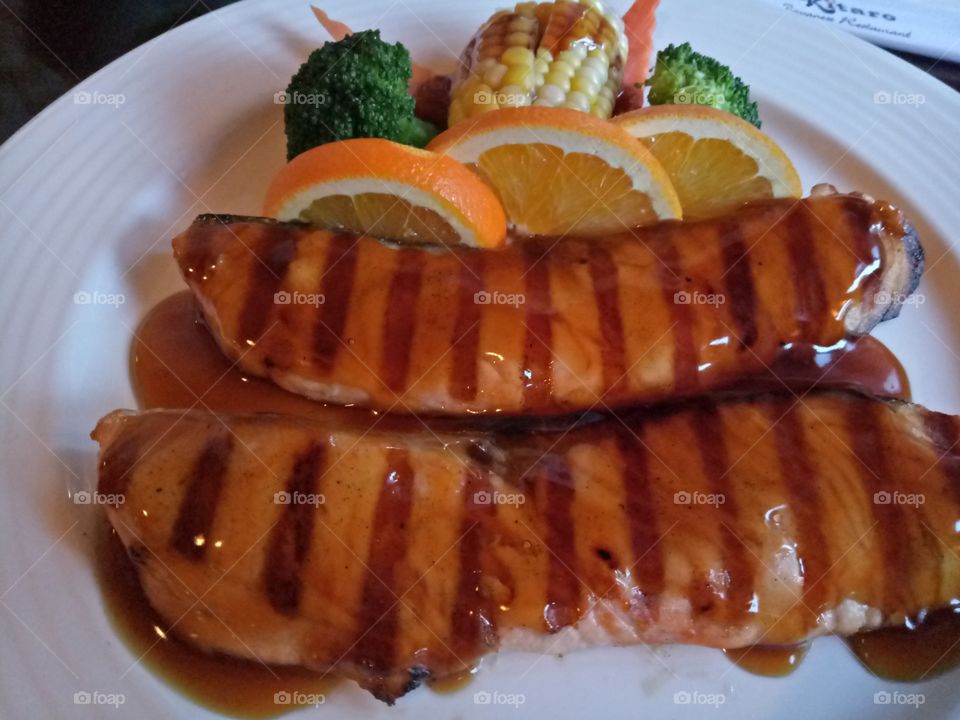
[
  {"x": 355, "y": 87},
  {"x": 683, "y": 76}
]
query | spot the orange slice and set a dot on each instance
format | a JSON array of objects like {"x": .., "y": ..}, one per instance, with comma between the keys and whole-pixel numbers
[
  {"x": 559, "y": 171},
  {"x": 715, "y": 160},
  {"x": 388, "y": 190}
]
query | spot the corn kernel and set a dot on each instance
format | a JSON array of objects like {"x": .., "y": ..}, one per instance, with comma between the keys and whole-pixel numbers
[
  {"x": 513, "y": 96},
  {"x": 551, "y": 94},
  {"x": 544, "y": 54},
  {"x": 586, "y": 84},
  {"x": 570, "y": 58},
  {"x": 518, "y": 75},
  {"x": 518, "y": 57},
  {"x": 527, "y": 9},
  {"x": 561, "y": 80},
  {"x": 480, "y": 109},
  {"x": 561, "y": 68},
  {"x": 577, "y": 101},
  {"x": 522, "y": 24},
  {"x": 494, "y": 76}
]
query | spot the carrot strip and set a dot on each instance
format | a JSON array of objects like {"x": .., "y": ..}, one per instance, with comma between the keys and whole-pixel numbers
[
  {"x": 336, "y": 29},
  {"x": 638, "y": 23}
]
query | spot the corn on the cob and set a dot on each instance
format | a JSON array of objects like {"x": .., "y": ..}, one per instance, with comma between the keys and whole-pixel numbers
[{"x": 563, "y": 54}]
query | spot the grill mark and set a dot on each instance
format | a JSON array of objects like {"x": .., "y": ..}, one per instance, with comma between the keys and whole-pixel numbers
[
  {"x": 195, "y": 249},
  {"x": 538, "y": 344},
  {"x": 670, "y": 275},
  {"x": 606, "y": 290},
  {"x": 736, "y": 558},
  {"x": 339, "y": 274},
  {"x": 290, "y": 539},
  {"x": 466, "y": 330},
  {"x": 810, "y": 293},
  {"x": 738, "y": 279},
  {"x": 471, "y": 625},
  {"x": 118, "y": 465},
  {"x": 201, "y": 495},
  {"x": 647, "y": 566},
  {"x": 864, "y": 430},
  {"x": 563, "y": 586},
  {"x": 274, "y": 248},
  {"x": 805, "y": 504},
  {"x": 944, "y": 433},
  {"x": 378, "y": 616},
  {"x": 400, "y": 317},
  {"x": 858, "y": 215}
]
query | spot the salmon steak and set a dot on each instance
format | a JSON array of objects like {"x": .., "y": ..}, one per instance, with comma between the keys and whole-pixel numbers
[
  {"x": 546, "y": 325},
  {"x": 394, "y": 557}
]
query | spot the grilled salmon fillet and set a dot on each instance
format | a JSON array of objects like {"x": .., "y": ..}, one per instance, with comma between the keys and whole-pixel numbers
[
  {"x": 392, "y": 557},
  {"x": 546, "y": 325}
]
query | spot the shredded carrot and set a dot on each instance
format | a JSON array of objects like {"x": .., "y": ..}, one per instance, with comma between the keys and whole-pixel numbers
[
  {"x": 338, "y": 31},
  {"x": 638, "y": 23}
]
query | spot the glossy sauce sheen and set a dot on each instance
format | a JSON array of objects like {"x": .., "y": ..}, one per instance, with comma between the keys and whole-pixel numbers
[
  {"x": 670, "y": 310},
  {"x": 173, "y": 343},
  {"x": 237, "y": 688},
  {"x": 174, "y": 361},
  {"x": 542, "y": 562}
]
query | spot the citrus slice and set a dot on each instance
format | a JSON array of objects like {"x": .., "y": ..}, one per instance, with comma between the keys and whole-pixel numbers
[
  {"x": 559, "y": 171},
  {"x": 388, "y": 190},
  {"x": 715, "y": 160}
]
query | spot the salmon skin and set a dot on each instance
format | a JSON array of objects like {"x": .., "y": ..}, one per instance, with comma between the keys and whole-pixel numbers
[
  {"x": 394, "y": 557},
  {"x": 546, "y": 326}
]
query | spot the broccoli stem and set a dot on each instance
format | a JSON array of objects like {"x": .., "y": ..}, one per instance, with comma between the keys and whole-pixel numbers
[{"x": 417, "y": 132}]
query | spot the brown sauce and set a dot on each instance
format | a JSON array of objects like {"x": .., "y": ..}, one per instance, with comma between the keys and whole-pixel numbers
[
  {"x": 918, "y": 650},
  {"x": 239, "y": 688},
  {"x": 454, "y": 683},
  {"x": 772, "y": 661},
  {"x": 866, "y": 365},
  {"x": 176, "y": 363}
]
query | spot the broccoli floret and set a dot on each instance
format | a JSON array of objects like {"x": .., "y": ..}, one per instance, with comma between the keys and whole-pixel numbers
[
  {"x": 684, "y": 76},
  {"x": 355, "y": 87}
]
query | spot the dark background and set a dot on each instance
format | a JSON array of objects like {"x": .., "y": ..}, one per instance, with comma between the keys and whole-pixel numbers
[{"x": 48, "y": 46}]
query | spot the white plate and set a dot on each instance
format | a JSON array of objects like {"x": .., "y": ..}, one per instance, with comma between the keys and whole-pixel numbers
[{"x": 90, "y": 195}]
